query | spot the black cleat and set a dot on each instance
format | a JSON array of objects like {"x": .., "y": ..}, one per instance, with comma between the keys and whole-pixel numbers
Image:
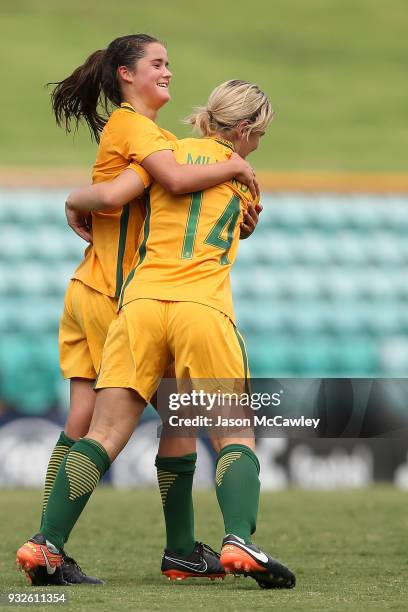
[
  {"x": 202, "y": 562},
  {"x": 41, "y": 562},
  {"x": 237, "y": 557},
  {"x": 73, "y": 574}
]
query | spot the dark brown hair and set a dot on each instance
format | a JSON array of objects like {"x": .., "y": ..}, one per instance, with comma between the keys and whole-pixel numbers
[{"x": 88, "y": 91}]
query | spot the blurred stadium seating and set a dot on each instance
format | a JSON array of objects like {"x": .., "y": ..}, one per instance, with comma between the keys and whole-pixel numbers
[{"x": 320, "y": 290}]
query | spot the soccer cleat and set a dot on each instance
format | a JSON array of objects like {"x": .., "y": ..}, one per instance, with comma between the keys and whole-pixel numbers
[
  {"x": 237, "y": 557},
  {"x": 202, "y": 562},
  {"x": 73, "y": 574},
  {"x": 41, "y": 562}
]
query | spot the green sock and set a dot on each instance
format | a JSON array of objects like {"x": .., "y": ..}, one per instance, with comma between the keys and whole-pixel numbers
[
  {"x": 61, "y": 448},
  {"x": 76, "y": 479},
  {"x": 237, "y": 487},
  {"x": 175, "y": 476}
]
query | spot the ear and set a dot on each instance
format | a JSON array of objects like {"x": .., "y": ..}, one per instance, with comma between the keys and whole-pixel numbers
[
  {"x": 242, "y": 127},
  {"x": 125, "y": 74}
]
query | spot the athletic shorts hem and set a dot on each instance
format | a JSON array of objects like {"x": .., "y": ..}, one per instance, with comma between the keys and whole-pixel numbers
[
  {"x": 68, "y": 374},
  {"x": 107, "y": 384}
]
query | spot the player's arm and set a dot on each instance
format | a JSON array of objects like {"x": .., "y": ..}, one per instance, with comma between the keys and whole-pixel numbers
[
  {"x": 107, "y": 195},
  {"x": 144, "y": 143},
  {"x": 103, "y": 197},
  {"x": 185, "y": 178}
]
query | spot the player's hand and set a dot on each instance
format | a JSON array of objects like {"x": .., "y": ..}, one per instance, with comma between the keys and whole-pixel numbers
[
  {"x": 250, "y": 220},
  {"x": 245, "y": 174},
  {"x": 79, "y": 222}
]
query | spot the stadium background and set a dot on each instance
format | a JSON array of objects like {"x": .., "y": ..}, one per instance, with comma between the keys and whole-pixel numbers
[{"x": 320, "y": 290}]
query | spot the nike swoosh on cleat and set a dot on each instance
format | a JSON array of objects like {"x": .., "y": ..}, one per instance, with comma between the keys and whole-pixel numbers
[
  {"x": 189, "y": 565},
  {"x": 50, "y": 568},
  {"x": 259, "y": 556}
]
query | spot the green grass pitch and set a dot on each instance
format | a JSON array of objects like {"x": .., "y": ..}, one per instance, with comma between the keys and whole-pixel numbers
[
  {"x": 348, "y": 549},
  {"x": 334, "y": 70}
]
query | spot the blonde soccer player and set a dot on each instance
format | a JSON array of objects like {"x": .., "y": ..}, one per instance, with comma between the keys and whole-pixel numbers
[
  {"x": 176, "y": 305},
  {"x": 131, "y": 74}
]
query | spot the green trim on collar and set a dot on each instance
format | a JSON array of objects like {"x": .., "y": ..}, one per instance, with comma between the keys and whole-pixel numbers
[
  {"x": 226, "y": 143},
  {"x": 128, "y": 107}
]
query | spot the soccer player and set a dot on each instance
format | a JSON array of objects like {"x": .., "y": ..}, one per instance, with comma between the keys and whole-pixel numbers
[
  {"x": 133, "y": 68},
  {"x": 176, "y": 304}
]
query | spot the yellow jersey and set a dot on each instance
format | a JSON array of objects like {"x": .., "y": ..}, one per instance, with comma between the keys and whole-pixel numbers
[
  {"x": 189, "y": 242},
  {"x": 127, "y": 138}
]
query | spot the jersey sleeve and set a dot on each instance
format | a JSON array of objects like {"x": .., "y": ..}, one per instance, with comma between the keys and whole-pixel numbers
[
  {"x": 143, "y": 138},
  {"x": 167, "y": 134},
  {"x": 242, "y": 191},
  {"x": 142, "y": 173}
]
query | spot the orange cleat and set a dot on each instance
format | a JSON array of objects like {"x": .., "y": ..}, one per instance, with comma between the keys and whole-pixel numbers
[
  {"x": 202, "y": 562},
  {"x": 238, "y": 558},
  {"x": 41, "y": 562}
]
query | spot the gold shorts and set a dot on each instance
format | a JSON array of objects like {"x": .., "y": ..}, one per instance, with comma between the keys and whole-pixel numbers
[
  {"x": 149, "y": 335},
  {"x": 83, "y": 329}
]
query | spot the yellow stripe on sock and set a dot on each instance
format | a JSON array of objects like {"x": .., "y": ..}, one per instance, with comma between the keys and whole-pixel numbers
[
  {"x": 83, "y": 475},
  {"x": 166, "y": 479},
  {"x": 56, "y": 459},
  {"x": 223, "y": 465}
]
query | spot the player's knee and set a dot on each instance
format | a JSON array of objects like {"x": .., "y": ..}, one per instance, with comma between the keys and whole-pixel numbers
[
  {"x": 76, "y": 431},
  {"x": 110, "y": 443},
  {"x": 176, "y": 447},
  {"x": 220, "y": 443}
]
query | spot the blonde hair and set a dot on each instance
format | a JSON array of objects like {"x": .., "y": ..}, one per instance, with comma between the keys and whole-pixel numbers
[{"x": 228, "y": 105}]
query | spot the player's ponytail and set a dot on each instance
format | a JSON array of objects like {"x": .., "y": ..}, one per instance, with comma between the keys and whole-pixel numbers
[
  {"x": 202, "y": 121},
  {"x": 229, "y": 104},
  {"x": 77, "y": 96},
  {"x": 87, "y": 93}
]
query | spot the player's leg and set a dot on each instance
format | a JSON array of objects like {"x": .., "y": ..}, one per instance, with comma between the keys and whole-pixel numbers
[
  {"x": 175, "y": 464},
  {"x": 76, "y": 364},
  {"x": 115, "y": 416},
  {"x": 81, "y": 407},
  {"x": 237, "y": 470},
  {"x": 83, "y": 329},
  {"x": 183, "y": 556},
  {"x": 82, "y": 403},
  {"x": 123, "y": 383},
  {"x": 217, "y": 361}
]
